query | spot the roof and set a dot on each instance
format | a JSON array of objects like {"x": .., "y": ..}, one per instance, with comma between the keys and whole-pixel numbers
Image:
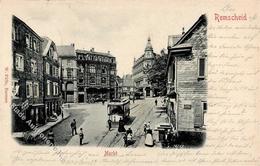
[
  {"x": 21, "y": 21},
  {"x": 118, "y": 103},
  {"x": 149, "y": 46},
  {"x": 194, "y": 26},
  {"x": 46, "y": 45},
  {"x": 66, "y": 51},
  {"x": 180, "y": 46},
  {"x": 93, "y": 52}
]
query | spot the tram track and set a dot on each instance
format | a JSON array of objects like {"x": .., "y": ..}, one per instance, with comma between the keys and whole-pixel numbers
[
  {"x": 136, "y": 111},
  {"x": 143, "y": 115}
]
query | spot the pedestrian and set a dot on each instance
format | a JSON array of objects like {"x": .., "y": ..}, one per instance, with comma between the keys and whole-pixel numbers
[
  {"x": 73, "y": 126},
  {"x": 133, "y": 99},
  {"x": 103, "y": 101},
  {"x": 81, "y": 136},
  {"x": 155, "y": 102},
  {"x": 62, "y": 115},
  {"x": 125, "y": 140},
  {"x": 121, "y": 125},
  {"x": 51, "y": 137},
  {"x": 145, "y": 126},
  {"x": 109, "y": 124}
]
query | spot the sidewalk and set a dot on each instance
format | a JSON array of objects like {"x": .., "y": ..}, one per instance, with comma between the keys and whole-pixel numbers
[{"x": 43, "y": 128}]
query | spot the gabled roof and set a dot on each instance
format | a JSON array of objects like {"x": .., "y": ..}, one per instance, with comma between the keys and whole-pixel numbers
[
  {"x": 194, "y": 26},
  {"x": 46, "y": 45},
  {"x": 180, "y": 46},
  {"x": 66, "y": 51}
]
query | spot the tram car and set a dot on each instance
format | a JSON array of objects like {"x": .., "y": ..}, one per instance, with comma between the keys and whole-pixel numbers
[{"x": 118, "y": 109}]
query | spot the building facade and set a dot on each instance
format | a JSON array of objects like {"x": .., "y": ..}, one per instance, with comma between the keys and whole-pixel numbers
[
  {"x": 68, "y": 61},
  {"x": 187, "y": 78},
  {"x": 27, "y": 72},
  {"x": 96, "y": 75},
  {"x": 140, "y": 68},
  {"x": 51, "y": 76},
  {"x": 127, "y": 86}
]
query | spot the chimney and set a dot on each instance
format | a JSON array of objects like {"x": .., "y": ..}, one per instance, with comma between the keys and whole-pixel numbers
[
  {"x": 183, "y": 31},
  {"x": 92, "y": 49}
]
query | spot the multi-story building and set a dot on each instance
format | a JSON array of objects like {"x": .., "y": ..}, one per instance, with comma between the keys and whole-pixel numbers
[
  {"x": 51, "y": 75},
  {"x": 127, "y": 86},
  {"x": 140, "y": 68},
  {"x": 187, "y": 78},
  {"x": 68, "y": 61},
  {"x": 27, "y": 80},
  {"x": 96, "y": 75}
]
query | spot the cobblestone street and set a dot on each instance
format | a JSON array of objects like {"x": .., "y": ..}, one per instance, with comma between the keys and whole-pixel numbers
[{"x": 93, "y": 119}]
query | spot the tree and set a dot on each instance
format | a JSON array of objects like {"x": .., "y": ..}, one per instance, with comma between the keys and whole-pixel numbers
[{"x": 157, "y": 75}]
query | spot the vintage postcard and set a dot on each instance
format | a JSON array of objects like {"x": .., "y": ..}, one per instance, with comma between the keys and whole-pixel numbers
[{"x": 130, "y": 82}]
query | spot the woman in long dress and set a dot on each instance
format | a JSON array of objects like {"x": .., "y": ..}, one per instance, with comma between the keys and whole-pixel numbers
[{"x": 149, "y": 138}]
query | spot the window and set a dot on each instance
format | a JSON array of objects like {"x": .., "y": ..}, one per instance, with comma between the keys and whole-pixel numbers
[
  {"x": 29, "y": 89},
  {"x": 51, "y": 52},
  {"x": 69, "y": 63},
  {"x": 17, "y": 35},
  {"x": 34, "y": 44},
  {"x": 92, "y": 80},
  {"x": 81, "y": 69},
  {"x": 27, "y": 40},
  {"x": 202, "y": 66},
  {"x": 53, "y": 70},
  {"x": 36, "y": 89},
  {"x": 47, "y": 68},
  {"x": 19, "y": 62},
  {"x": 48, "y": 87},
  {"x": 38, "y": 46},
  {"x": 57, "y": 71},
  {"x": 31, "y": 42},
  {"x": 33, "y": 66},
  {"x": 112, "y": 72},
  {"x": 104, "y": 70},
  {"x": 69, "y": 73},
  {"x": 204, "y": 106},
  {"x": 81, "y": 80},
  {"x": 15, "y": 88},
  {"x": 55, "y": 88},
  {"x": 103, "y": 80},
  {"x": 92, "y": 69}
]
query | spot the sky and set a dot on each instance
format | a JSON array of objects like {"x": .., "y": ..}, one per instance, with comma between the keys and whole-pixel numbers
[{"x": 121, "y": 27}]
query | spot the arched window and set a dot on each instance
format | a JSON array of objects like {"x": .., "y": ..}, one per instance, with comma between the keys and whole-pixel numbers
[
  {"x": 81, "y": 69},
  {"x": 92, "y": 80},
  {"x": 103, "y": 80}
]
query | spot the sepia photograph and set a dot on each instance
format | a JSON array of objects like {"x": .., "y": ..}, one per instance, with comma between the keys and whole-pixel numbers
[
  {"x": 110, "y": 82},
  {"x": 68, "y": 91}
]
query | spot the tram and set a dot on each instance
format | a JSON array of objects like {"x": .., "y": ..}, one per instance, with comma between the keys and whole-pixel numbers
[{"x": 118, "y": 109}]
